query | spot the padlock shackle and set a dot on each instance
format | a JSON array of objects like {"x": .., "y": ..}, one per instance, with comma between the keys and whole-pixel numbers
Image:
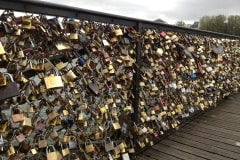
[
  {"x": 9, "y": 75},
  {"x": 50, "y": 147},
  {"x": 88, "y": 141},
  {"x": 64, "y": 145},
  {"x": 107, "y": 140}
]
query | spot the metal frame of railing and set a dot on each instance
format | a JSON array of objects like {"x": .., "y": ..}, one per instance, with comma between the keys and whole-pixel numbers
[
  {"x": 83, "y": 14},
  {"x": 66, "y": 11}
]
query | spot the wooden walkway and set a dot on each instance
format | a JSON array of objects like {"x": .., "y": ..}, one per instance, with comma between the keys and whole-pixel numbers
[{"x": 215, "y": 135}]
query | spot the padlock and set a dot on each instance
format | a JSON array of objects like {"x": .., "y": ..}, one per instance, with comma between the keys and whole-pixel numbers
[
  {"x": 62, "y": 46},
  {"x": 48, "y": 65},
  {"x": 17, "y": 115},
  {"x": 65, "y": 149},
  {"x": 66, "y": 137},
  {"x": 20, "y": 53},
  {"x": 2, "y": 50},
  {"x": 19, "y": 136},
  {"x": 3, "y": 117},
  {"x": 105, "y": 42},
  {"x": 81, "y": 61},
  {"x": 23, "y": 61},
  {"x": 1, "y": 143},
  {"x": 34, "y": 151},
  {"x": 109, "y": 145},
  {"x": 89, "y": 146},
  {"x": 106, "y": 57},
  {"x": 52, "y": 153},
  {"x": 125, "y": 156},
  {"x": 40, "y": 126},
  {"x": 25, "y": 146},
  {"x": 54, "y": 134},
  {"x": 74, "y": 156},
  {"x": 53, "y": 81},
  {"x": 10, "y": 150},
  {"x": 116, "y": 125},
  {"x": 73, "y": 36},
  {"x": 60, "y": 65},
  {"x": 72, "y": 142},
  {"x": 69, "y": 76},
  {"x": 42, "y": 142},
  {"x": 3, "y": 80},
  {"x": 10, "y": 89},
  {"x": 94, "y": 88},
  {"x": 26, "y": 22},
  {"x": 31, "y": 108},
  {"x": 52, "y": 115},
  {"x": 40, "y": 66}
]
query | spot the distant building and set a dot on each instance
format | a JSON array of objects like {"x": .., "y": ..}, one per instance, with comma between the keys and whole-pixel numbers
[
  {"x": 160, "y": 21},
  {"x": 196, "y": 25}
]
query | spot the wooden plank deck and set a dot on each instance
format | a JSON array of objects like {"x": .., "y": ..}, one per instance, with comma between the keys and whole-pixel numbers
[{"x": 215, "y": 135}]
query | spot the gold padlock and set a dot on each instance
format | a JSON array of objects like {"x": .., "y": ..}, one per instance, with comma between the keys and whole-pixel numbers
[
  {"x": 52, "y": 115},
  {"x": 60, "y": 65},
  {"x": 54, "y": 134},
  {"x": 26, "y": 22},
  {"x": 64, "y": 150},
  {"x": 73, "y": 36},
  {"x": 2, "y": 50},
  {"x": 66, "y": 138},
  {"x": 42, "y": 142},
  {"x": 4, "y": 127},
  {"x": 118, "y": 32},
  {"x": 69, "y": 76},
  {"x": 10, "y": 150},
  {"x": 34, "y": 151},
  {"x": 3, "y": 57},
  {"x": 116, "y": 125},
  {"x": 48, "y": 64},
  {"x": 20, "y": 54},
  {"x": 53, "y": 81},
  {"x": 23, "y": 62},
  {"x": 3, "y": 80},
  {"x": 89, "y": 147},
  {"x": 80, "y": 117},
  {"x": 27, "y": 122},
  {"x": 30, "y": 108}
]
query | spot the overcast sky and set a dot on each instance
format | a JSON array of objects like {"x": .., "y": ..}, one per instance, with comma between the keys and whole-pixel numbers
[{"x": 168, "y": 10}]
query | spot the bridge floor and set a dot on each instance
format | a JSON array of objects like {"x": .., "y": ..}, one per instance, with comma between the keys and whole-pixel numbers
[{"x": 215, "y": 135}]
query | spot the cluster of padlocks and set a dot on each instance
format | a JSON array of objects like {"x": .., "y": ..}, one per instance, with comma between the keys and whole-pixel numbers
[{"x": 66, "y": 85}]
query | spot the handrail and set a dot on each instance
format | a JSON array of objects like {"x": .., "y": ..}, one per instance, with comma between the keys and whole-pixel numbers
[
  {"x": 83, "y": 14},
  {"x": 67, "y": 11}
]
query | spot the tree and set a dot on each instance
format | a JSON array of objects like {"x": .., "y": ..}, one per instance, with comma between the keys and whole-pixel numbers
[
  {"x": 233, "y": 24},
  {"x": 221, "y": 23},
  {"x": 205, "y": 23},
  {"x": 213, "y": 23},
  {"x": 180, "y": 23}
]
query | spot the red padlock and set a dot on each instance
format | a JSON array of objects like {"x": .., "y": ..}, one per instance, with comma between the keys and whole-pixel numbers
[
  {"x": 99, "y": 53},
  {"x": 19, "y": 137},
  {"x": 163, "y": 34},
  {"x": 161, "y": 102},
  {"x": 155, "y": 135}
]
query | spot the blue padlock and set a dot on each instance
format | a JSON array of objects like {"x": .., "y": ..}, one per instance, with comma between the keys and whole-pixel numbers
[
  {"x": 192, "y": 75},
  {"x": 81, "y": 61},
  {"x": 70, "y": 122}
]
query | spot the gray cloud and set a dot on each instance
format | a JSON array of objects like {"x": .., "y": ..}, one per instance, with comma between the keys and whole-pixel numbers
[
  {"x": 192, "y": 10},
  {"x": 187, "y": 10}
]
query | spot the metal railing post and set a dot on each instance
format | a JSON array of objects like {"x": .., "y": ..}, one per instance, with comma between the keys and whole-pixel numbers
[{"x": 136, "y": 77}]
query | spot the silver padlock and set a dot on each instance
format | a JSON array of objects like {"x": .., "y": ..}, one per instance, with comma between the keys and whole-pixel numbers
[
  {"x": 1, "y": 143},
  {"x": 109, "y": 146},
  {"x": 72, "y": 143}
]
